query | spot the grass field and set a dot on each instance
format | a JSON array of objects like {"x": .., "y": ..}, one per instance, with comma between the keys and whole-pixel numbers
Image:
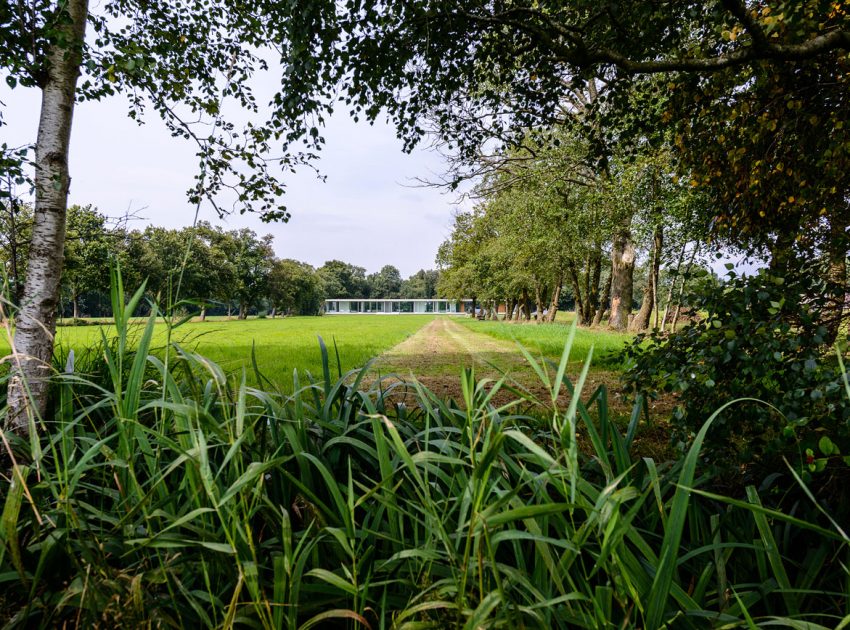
[
  {"x": 549, "y": 339},
  {"x": 281, "y": 345}
]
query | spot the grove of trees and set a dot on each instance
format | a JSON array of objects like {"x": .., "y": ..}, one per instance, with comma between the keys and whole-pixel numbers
[
  {"x": 207, "y": 269},
  {"x": 549, "y": 227}
]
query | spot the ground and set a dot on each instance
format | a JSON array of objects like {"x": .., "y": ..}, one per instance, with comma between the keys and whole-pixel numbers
[{"x": 436, "y": 354}]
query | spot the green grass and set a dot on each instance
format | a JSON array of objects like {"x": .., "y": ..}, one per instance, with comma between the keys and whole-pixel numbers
[
  {"x": 549, "y": 339},
  {"x": 186, "y": 501},
  {"x": 281, "y": 345}
]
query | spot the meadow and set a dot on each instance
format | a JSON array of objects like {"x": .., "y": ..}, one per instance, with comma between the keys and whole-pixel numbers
[
  {"x": 186, "y": 501},
  {"x": 549, "y": 340},
  {"x": 279, "y": 345}
]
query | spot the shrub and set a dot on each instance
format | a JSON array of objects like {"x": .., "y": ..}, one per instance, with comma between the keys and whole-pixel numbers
[{"x": 762, "y": 338}]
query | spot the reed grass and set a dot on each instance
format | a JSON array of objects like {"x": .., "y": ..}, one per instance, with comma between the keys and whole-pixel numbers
[{"x": 171, "y": 495}]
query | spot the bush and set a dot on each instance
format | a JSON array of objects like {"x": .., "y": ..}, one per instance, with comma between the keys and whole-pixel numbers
[{"x": 763, "y": 337}]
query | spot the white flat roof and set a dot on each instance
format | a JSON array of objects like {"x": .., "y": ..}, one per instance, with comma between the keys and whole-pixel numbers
[{"x": 396, "y": 300}]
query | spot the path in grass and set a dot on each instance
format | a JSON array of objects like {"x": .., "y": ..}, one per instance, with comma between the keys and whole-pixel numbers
[
  {"x": 443, "y": 348},
  {"x": 436, "y": 354}
]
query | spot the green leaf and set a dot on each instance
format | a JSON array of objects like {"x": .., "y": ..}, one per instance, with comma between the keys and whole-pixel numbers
[{"x": 826, "y": 446}]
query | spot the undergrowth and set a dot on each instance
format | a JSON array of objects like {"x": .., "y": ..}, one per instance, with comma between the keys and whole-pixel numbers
[{"x": 165, "y": 494}]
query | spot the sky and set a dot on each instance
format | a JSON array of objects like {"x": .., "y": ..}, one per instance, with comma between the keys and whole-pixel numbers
[{"x": 368, "y": 212}]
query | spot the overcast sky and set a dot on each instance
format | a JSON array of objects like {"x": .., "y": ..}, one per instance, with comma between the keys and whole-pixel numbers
[{"x": 366, "y": 213}]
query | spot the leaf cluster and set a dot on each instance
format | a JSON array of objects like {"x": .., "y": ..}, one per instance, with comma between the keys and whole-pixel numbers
[{"x": 758, "y": 337}]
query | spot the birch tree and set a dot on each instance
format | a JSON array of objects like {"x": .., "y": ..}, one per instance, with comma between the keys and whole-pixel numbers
[{"x": 181, "y": 60}]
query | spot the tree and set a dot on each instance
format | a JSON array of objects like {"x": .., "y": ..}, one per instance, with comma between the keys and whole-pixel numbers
[
  {"x": 294, "y": 288},
  {"x": 386, "y": 283},
  {"x": 252, "y": 259},
  {"x": 15, "y": 235},
  {"x": 89, "y": 248},
  {"x": 462, "y": 259},
  {"x": 422, "y": 285},
  {"x": 343, "y": 280},
  {"x": 181, "y": 60}
]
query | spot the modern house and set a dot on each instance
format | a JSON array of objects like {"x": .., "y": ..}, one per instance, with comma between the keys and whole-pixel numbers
[{"x": 338, "y": 306}]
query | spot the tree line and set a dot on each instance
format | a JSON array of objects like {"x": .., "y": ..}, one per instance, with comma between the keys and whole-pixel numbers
[
  {"x": 206, "y": 268},
  {"x": 617, "y": 242}
]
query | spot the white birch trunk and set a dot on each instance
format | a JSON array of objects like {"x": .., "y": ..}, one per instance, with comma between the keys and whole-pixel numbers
[{"x": 36, "y": 322}]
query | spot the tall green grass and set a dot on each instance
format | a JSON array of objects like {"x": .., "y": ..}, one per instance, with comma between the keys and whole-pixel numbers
[{"x": 170, "y": 495}]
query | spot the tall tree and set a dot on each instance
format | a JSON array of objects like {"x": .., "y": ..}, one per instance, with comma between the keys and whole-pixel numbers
[
  {"x": 181, "y": 60},
  {"x": 422, "y": 285},
  {"x": 343, "y": 280},
  {"x": 385, "y": 283},
  {"x": 15, "y": 235},
  {"x": 294, "y": 288}
]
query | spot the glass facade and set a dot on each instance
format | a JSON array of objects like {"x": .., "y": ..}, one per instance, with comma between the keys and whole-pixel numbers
[{"x": 389, "y": 306}]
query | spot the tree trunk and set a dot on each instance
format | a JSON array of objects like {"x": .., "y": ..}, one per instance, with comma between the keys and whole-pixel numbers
[
  {"x": 76, "y": 306},
  {"x": 673, "y": 282},
  {"x": 641, "y": 319},
  {"x": 273, "y": 312},
  {"x": 682, "y": 288},
  {"x": 603, "y": 303},
  {"x": 622, "y": 279},
  {"x": 36, "y": 321},
  {"x": 229, "y": 310},
  {"x": 526, "y": 307},
  {"x": 837, "y": 277},
  {"x": 14, "y": 244},
  {"x": 538, "y": 299},
  {"x": 243, "y": 311},
  {"x": 593, "y": 294},
  {"x": 579, "y": 298},
  {"x": 556, "y": 296},
  {"x": 203, "y": 316}
]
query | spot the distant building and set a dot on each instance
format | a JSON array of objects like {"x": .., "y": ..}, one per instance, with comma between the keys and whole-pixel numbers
[{"x": 349, "y": 306}]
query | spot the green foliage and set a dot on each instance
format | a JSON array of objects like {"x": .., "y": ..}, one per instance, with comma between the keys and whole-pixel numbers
[
  {"x": 188, "y": 499},
  {"x": 762, "y": 337},
  {"x": 385, "y": 283},
  {"x": 343, "y": 280},
  {"x": 295, "y": 288},
  {"x": 423, "y": 284}
]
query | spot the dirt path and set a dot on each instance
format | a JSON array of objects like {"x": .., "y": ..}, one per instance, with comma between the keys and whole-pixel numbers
[
  {"x": 443, "y": 347},
  {"x": 436, "y": 354}
]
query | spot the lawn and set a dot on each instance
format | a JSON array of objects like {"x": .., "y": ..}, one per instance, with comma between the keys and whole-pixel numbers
[
  {"x": 549, "y": 339},
  {"x": 281, "y": 345}
]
